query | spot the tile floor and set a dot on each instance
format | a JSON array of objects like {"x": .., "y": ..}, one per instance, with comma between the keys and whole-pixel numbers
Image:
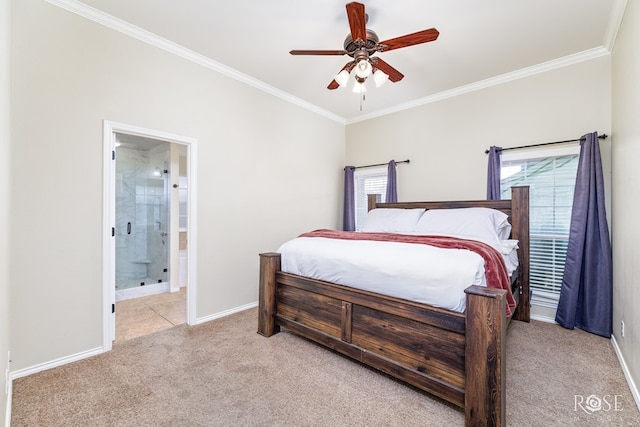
[{"x": 144, "y": 315}]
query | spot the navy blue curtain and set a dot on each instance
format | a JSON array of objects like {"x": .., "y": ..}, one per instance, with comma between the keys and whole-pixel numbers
[
  {"x": 392, "y": 183},
  {"x": 493, "y": 173},
  {"x": 349, "y": 217},
  {"x": 587, "y": 284}
]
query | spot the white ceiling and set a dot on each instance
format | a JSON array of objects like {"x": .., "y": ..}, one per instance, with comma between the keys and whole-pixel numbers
[{"x": 480, "y": 42}]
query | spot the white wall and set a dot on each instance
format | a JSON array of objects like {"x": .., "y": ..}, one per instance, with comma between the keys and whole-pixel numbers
[
  {"x": 625, "y": 200},
  {"x": 5, "y": 188},
  {"x": 266, "y": 170},
  {"x": 446, "y": 140}
]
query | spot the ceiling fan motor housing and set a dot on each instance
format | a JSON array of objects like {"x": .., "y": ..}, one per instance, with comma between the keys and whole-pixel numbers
[{"x": 370, "y": 44}]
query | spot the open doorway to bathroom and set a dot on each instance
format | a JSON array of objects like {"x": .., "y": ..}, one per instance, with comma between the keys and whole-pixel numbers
[
  {"x": 149, "y": 218},
  {"x": 146, "y": 299}
]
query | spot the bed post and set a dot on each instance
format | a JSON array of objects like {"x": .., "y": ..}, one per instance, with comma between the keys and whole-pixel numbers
[
  {"x": 520, "y": 231},
  {"x": 372, "y": 201},
  {"x": 269, "y": 265},
  {"x": 485, "y": 357}
]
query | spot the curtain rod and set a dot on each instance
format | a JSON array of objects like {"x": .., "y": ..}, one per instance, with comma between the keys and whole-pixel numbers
[
  {"x": 381, "y": 164},
  {"x": 603, "y": 136}
]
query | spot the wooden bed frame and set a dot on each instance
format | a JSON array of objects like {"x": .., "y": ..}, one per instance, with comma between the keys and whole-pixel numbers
[{"x": 459, "y": 357}]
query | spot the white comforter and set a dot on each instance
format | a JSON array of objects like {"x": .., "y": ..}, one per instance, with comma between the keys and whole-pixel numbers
[{"x": 415, "y": 272}]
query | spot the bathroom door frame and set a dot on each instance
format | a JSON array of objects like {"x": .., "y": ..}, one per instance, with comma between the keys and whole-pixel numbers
[{"x": 110, "y": 129}]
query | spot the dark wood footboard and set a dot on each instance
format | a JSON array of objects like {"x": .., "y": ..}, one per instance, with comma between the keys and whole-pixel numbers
[{"x": 459, "y": 357}]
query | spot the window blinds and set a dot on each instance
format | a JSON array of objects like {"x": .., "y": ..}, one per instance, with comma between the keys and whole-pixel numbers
[
  {"x": 368, "y": 182},
  {"x": 551, "y": 181}
]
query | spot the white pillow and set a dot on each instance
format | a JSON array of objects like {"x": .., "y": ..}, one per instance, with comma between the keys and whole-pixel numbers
[
  {"x": 510, "y": 255},
  {"x": 484, "y": 224},
  {"x": 392, "y": 220}
]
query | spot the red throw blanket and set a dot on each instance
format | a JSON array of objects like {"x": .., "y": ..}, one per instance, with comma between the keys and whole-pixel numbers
[{"x": 495, "y": 268}]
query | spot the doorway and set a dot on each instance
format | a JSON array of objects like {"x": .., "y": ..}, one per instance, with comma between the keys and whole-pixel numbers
[{"x": 149, "y": 252}]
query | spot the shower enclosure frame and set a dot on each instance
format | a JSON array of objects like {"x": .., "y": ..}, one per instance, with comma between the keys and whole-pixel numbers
[{"x": 110, "y": 129}]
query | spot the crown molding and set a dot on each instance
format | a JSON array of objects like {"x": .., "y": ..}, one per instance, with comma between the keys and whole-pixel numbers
[
  {"x": 615, "y": 20},
  {"x": 565, "y": 61},
  {"x": 152, "y": 39}
]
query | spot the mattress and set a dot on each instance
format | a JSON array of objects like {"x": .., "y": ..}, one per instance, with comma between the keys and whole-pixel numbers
[{"x": 416, "y": 272}]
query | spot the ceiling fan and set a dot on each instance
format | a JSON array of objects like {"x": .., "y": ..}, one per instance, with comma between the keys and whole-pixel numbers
[{"x": 361, "y": 44}]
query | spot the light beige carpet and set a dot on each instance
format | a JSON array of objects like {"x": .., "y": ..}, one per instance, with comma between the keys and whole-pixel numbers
[{"x": 223, "y": 373}]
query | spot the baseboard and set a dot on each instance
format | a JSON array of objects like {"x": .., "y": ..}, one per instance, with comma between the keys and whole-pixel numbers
[
  {"x": 226, "y": 313},
  {"x": 55, "y": 363},
  {"x": 542, "y": 318},
  {"x": 625, "y": 369}
]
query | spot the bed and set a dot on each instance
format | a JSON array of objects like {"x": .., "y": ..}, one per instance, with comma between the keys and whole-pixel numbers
[{"x": 458, "y": 356}]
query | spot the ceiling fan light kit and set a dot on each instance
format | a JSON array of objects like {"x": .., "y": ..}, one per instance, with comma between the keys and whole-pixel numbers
[
  {"x": 380, "y": 77},
  {"x": 359, "y": 87},
  {"x": 363, "y": 69},
  {"x": 342, "y": 78},
  {"x": 361, "y": 44}
]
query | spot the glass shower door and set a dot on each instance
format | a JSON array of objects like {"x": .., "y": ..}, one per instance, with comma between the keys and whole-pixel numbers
[{"x": 142, "y": 214}]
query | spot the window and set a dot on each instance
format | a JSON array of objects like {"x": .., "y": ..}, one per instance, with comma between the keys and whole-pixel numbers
[
  {"x": 368, "y": 181},
  {"x": 551, "y": 176}
]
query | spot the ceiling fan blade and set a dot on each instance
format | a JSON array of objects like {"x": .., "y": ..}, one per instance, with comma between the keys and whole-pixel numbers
[
  {"x": 318, "y": 52},
  {"x": 394, "y": 75},
  {"x": 423, "y": 36},
  {"x": 334, "y": 84},
  {"x": 357, "y": 21}
]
